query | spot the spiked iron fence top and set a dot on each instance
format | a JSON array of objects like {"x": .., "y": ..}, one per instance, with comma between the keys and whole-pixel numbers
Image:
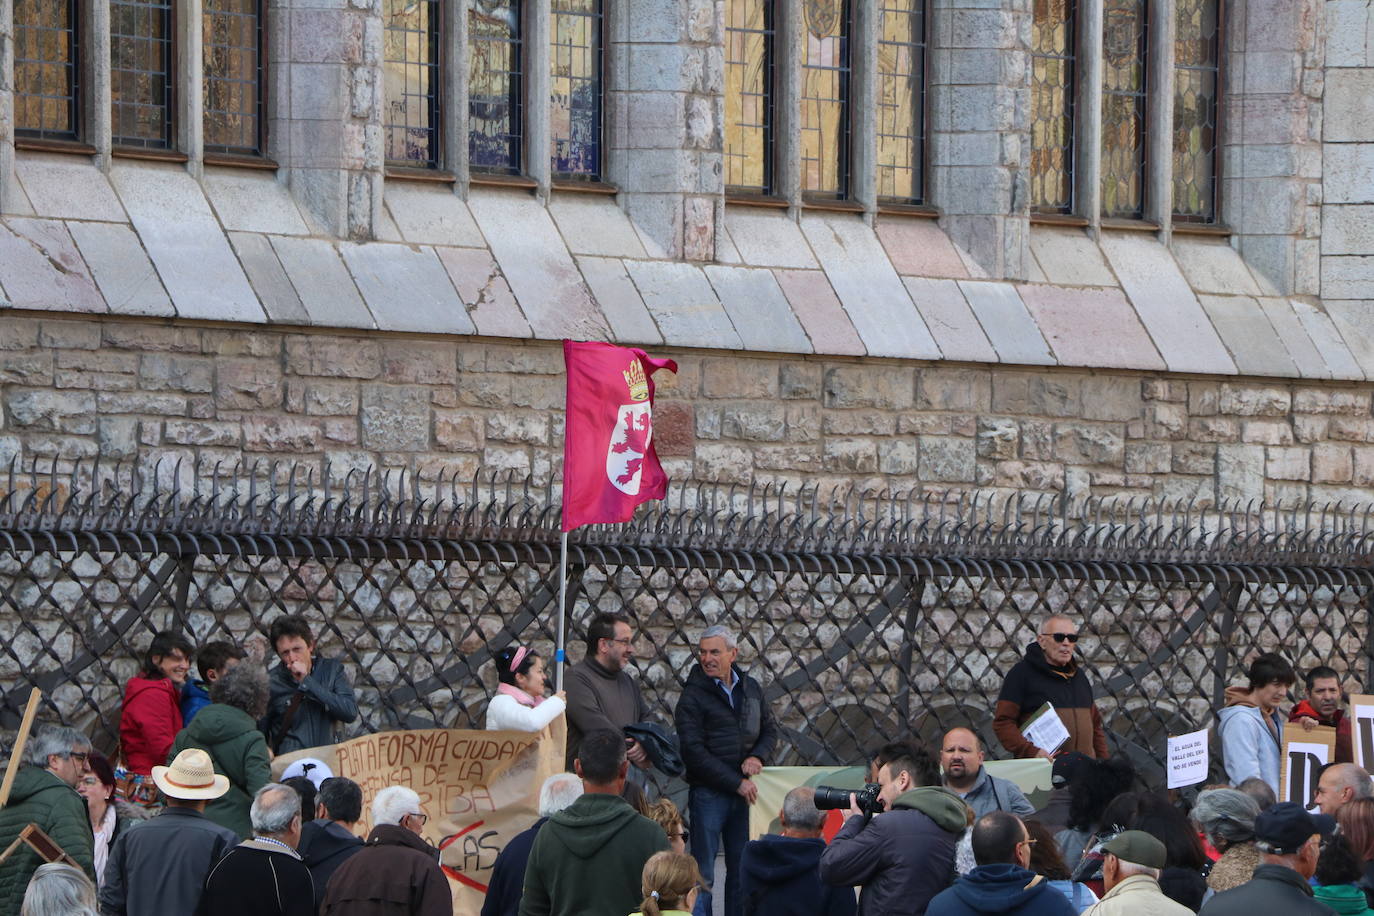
[
  {"x": 865, "y": 614},
  {"x": 288, "y": 501}
]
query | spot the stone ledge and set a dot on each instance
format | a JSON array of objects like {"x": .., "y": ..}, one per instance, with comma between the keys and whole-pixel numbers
[{"x": 503, "y": 265}]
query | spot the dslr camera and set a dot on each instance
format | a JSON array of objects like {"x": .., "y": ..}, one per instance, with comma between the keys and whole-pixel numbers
[{"x": 828, "y": 797}]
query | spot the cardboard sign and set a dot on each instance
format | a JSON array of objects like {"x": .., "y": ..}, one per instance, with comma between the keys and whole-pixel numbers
[
  {"x": 1362, "y": 729},
  {"x": 479, "y": 788},
  {"x": 1304, "y": 754},
  {"x": 1187, "y": 756}
]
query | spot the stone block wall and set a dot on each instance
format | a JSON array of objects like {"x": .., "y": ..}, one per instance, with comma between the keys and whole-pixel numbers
[{"x": 150, "y": 391}]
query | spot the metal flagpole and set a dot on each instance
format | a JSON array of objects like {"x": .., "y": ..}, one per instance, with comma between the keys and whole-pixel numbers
[{"x": 559, "y": 652}]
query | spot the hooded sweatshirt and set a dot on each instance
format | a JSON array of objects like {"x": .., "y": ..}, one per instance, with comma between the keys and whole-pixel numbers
[
  {"x": 239, "y": 751},
  {"x": 1001, "y": 888},
  {"x": 588, "y": 858},
  {"x": 1033, "y": 682},
  {"x": 1345, "y": 753},
  {"x": 1250, "y": 740},
  {"x": 903, "y": 857},
  {"x": 1344, "y": 899},
  {"x": 780, "y": 878}
]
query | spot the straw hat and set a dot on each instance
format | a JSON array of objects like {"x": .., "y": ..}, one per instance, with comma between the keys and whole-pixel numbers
[{"x": 190, "y": 777}]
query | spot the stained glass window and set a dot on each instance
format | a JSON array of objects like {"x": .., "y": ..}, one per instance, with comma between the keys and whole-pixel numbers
[
  {"x": 46, "y": 69},
  {"x": 1124, "y": 36},
  {"x": 494, "y": 86},
  {"x": 901, "y": 100},
  {"x": 411, "y": 74},
  {"x": 1052, "y": 88},
  {"x": 1197, "y": 53},
  {"x": 749, "y": 96},
  {"x": 825, "y": 99},
  {"x": 232, "y": 34},
  {"x": 575, "y": 73},
  {"x": 141, "y": 77}
]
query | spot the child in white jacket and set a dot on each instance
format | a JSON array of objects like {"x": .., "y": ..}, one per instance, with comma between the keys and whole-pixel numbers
[{"x": 520, "y": 704}]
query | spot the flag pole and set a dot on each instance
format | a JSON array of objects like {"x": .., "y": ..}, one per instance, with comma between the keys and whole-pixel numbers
[{"x": 560, "y": 653}]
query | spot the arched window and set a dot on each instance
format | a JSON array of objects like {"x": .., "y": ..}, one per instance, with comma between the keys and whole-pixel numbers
[
  {"x": 901, "y": 101},
  {"x": 1125, "y": 62},
  {"x": 749, "y": 53},
  {"x": 577, "y": 90},
  {"x": 47, "y": 69},
  {"x": 1052, "y": 106},
  {"x": 412, "y": 75},
  {"x": 233, "y": 38},
  {"x": 1197, "y": 57},
  {"x": 825, "y": 152}
]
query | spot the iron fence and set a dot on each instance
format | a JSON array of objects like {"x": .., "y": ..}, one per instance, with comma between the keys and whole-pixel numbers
[{"x": 864, "y": 614}]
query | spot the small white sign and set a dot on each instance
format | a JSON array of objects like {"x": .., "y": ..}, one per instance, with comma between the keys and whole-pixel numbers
[
  {"x": 1187, "y": 759},
  {"x": 1046, "y": 730}
]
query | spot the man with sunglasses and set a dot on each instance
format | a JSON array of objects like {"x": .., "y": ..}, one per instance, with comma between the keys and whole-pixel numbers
[
  {"x": 44, "y": 793},
  {"x": 1050, "y": 674}
]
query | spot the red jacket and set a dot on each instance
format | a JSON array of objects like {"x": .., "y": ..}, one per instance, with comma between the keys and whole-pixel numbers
[
  {"x": 149, "y": 725},
  {"x": 1345, "y": 753}
]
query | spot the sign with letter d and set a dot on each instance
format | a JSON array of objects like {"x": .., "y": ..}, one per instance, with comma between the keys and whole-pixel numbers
[{"x": 1304, "y": 754}]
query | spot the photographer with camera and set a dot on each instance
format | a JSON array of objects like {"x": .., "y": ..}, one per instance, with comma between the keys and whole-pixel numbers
[{"x": 898, "y": 840}]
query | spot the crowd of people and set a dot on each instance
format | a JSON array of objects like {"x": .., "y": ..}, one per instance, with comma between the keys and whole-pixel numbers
[{"x": 191, "y": 822}]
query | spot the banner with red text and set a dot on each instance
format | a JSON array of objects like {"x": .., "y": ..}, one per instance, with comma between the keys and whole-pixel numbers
[{"x": 479, "y": 788}]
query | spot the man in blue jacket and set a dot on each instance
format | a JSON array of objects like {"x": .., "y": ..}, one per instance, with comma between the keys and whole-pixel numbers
[
  {"x": 779, "y": 874},
  {"x": 1003, "y": 881},
  {"x": 726, "y": 732},
  {"x": 310, "y": 694}
]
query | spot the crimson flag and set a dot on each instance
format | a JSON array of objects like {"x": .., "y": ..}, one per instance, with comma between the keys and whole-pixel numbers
[{"x": 609, "y": 463}]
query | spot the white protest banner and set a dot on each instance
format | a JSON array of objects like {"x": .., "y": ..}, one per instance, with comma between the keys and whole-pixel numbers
[
  {"x": 479, "y": 788},
  {"x": 1187, "y": 759},
  {"x": 1304, "y": 754},
  {"x": 1362, "y": 729}
]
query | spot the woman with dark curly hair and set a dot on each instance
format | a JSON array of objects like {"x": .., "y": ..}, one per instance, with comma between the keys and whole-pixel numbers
[
  {"x": 227, "y": 730},
  {"x": 1094, "y": 786},
  {"x": 1337, "y": 871}
]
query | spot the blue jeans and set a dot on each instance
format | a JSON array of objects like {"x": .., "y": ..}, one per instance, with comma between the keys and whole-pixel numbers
[{"x": 715, "y": 815}]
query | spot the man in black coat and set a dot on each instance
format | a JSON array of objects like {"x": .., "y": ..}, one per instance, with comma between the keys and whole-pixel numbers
[
  {"x": 329, "y": 840},
  {"x": 264, "y": 875},
  {"x": 726, "y": 731},
  {"x": 780, "y": 874}
]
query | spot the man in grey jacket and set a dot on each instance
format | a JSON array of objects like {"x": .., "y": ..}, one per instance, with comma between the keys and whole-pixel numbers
[
  {"x": 961, "y": 762},
  {"x": 601, "y": 693},
  {"x": 310, "y": 694}
]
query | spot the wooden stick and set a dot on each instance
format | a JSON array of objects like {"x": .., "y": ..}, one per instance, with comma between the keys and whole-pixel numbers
[{"x": 12, "y": 769}]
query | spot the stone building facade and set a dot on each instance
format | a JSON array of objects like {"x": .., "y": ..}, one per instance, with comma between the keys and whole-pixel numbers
[{"x": 333, "y": 283}]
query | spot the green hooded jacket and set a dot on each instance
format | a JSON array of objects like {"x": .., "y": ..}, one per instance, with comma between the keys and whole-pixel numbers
[
  {"x": 39, "y": 797},
  {"x": 1346, "y": 899},
  {"x": 239, "y": 751},
  {"x": 588, "y": 858},
  {"x": 942, "y": 806}
]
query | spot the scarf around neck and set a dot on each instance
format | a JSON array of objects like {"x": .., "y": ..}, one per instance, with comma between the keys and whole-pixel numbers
[{"x": 521, "y": 697}]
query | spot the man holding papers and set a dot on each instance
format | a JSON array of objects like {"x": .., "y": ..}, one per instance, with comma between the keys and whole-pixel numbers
[{"x": 1049, "y": 676}]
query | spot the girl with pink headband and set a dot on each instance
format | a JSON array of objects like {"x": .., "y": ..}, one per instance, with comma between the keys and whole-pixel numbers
[{"x": 520, "y": 704}]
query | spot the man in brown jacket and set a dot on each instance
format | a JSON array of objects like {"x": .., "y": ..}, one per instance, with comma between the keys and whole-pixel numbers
[
  {"x": 601, "y": 693},
  {"x": 1050, "y": 674},
  {"x": 396, "y": 872}
]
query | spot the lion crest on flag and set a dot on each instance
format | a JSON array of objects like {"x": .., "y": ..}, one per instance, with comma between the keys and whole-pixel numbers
[{"x": 634, "y": 430}]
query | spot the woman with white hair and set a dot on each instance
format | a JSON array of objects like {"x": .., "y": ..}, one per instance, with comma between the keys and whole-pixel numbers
[
  {"x": 1227, "y": 818},
  {"x": 59, "y": 890}
]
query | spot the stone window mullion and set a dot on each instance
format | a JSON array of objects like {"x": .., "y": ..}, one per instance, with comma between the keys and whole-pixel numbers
[
  {"x": 1088, "y": 115},
  {"x": 787, "y": 91},
  {"x": 96, "y": 70},
  {"x": 1159, "y": 175},
  {"x": 863, "y": 105},
  {"x": 189, "y": 77},
  {"x": 537, "y": 41},
  {"x": 453, "y": 118}
]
